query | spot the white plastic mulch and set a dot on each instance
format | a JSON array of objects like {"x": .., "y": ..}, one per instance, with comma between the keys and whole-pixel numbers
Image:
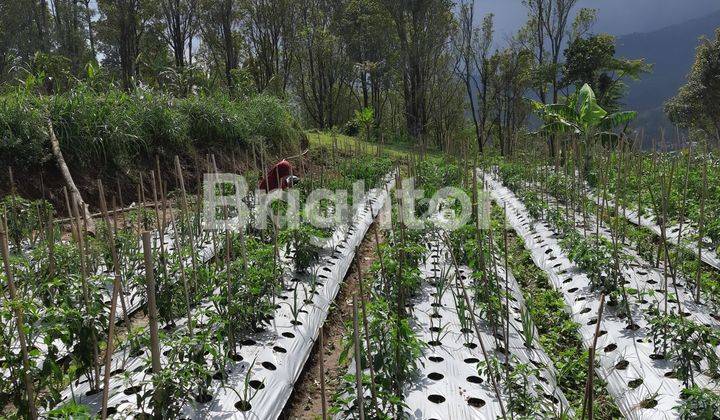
[
  {"x": 277, "y": 354},
  {"x": 639, "y": 381},
  {"x": 648, "y": 220},
  {"x": 449, "y": 386}
]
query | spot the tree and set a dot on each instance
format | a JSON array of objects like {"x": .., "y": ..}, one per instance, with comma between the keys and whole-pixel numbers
[
  {"x": 697, "y": 103},
  {"x": 544, "y": 35},
  {"x": 583, "y": 118},
  {"x": 118, "y": 33},
  {"x": 366, "y": 30},
  {"x": 269, "y": 37},
  {"x": 323, "y": 68},
  {"x": 218, "y": 18},
  {"x": 69, "y": 34},
  {"x": 592, "y": 61},
  {"x": 473, "y": 67},
  {"x": 510, "y": 81},
  {"x": 179, "y": 17},
  {"x": 423, "y": 28}
]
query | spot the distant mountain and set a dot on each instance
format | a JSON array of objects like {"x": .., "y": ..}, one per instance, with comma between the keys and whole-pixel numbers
[{"x": 671, "y": 50}]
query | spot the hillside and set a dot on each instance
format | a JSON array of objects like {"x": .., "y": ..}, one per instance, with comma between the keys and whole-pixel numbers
[{"x": 671, "y": 50}]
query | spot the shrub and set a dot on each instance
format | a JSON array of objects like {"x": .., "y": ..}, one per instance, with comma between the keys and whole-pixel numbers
[{"x": 116, "y": 129}]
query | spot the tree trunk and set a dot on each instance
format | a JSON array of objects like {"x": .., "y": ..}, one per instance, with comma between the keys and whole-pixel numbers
[{"x": 67, "y": 177}]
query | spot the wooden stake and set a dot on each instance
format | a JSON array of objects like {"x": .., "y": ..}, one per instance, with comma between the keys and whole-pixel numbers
[
  {"x": 368, "y": 351},
  {"x": 321, "y": 356},
  {"x": 358, "y": 366},
  {"x": 19, "y": 323},
  {"x": 117, "y": 287}
]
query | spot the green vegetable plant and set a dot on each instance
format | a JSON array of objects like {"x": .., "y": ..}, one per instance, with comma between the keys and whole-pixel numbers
[
  {"x": 687, "y": 344},
  {"x": 698, "y": 404}
]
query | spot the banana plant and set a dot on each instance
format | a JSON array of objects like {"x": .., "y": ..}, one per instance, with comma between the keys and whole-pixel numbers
[{"x": 582, "y": 117}]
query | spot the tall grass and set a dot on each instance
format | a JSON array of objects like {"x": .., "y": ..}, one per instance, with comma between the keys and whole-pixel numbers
[{"x": 117, "y": 129}]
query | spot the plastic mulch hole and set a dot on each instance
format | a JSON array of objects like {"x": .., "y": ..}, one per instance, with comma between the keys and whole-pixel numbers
[
  {"x": 470, "y": 345},
  {"x": 474, "y": 379},
  {"x": 476, "y": 402},
  {"x": 203, "y": 398},
  {"x": 649, "y": 403},
  {"x": 585, "y": 310},
  {"x": 132, "y": 390},
  {"x": 435, "y": 376},
  {"x": 436, "y": 398},
  {"x": 572, "y": 290},
  {"x": 243, "y": 405},
  {"x": 93, "y": 391},
  {"x": 116, "y": 371},
  {"x": 436, "y": 359},
  {"x": 552, "y": 398},
  {"x": 255, "y": 384},
  {"x": 622, "y": 365},
  {"x": 435, "y": 343},
  {"x": 248, "y": 342},
  {"x": 610, "y": 347},
  {"x": 268, "y": 366},
  {"x": 287, "y": 334},
  {"x": 635, "y": 383},
  {"x": 279, "y": 349},
  {"x": 471, "y": 360}
]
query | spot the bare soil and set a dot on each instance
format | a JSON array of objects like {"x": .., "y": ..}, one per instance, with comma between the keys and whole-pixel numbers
[{"x": 305, "y": 401}]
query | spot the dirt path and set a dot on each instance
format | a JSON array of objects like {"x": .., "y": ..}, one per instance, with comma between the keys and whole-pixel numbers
[{"x": 305, "y": 401}]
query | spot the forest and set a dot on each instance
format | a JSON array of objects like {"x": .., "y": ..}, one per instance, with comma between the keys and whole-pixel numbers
[{"x": 416, "y": 214}]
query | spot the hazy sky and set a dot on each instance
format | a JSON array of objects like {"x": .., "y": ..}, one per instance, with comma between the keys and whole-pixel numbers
[{"x": 617, "y": 17}]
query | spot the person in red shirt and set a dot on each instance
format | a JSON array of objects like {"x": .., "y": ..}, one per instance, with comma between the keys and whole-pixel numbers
[{"x": 280, "y": 176}]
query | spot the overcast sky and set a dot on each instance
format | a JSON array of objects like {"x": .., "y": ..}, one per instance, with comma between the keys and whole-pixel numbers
[{"x": 618, "y": 17}]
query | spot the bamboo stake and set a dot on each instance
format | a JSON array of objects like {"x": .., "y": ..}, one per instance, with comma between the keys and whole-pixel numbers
[
  {"x": 113, "y": 305},
  {"x": 152, "y": 315},
  {"x": 321, "y": 356},
  {"x": 20, "y": 325},
  {"x": 366, "y": 327},
  {"x": 358, "y": 366},
  {"x": 86, "y": 296},
  {"x": 701, "y": 227},
  {"x": 186, "y": 219},
  {"x": 588, "y": 399},
  {"x": 186, "y": 289},
  {"x": 152, "y": 306}
]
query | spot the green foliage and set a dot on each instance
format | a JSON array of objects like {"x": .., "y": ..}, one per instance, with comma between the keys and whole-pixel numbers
[
  {"x": 581, "y": 115},
  {"x": 24, "y": 217},
  {"x": 592, "y": 61},
  {"x": 301, "y": 244},
  {"x": 697, "y": 103},
  {"x": 686, "y": 343},
  {"x": 698, "y": 404},
  {"x": 114, "y": 128}
]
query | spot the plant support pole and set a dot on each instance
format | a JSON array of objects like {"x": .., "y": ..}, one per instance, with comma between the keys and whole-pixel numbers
[{"x": 29, "y": 388}]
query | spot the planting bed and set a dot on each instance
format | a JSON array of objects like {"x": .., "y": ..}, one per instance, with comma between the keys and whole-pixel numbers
[
  {"x": 449, "y": 384},
  {"x": 640, "y": 380},
  {"x": 258, "y": 380},
  {"x": 648, "y": 220}
]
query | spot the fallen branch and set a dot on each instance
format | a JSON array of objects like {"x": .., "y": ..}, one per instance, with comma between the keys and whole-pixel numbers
[{"x": 74, "y": 192}]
